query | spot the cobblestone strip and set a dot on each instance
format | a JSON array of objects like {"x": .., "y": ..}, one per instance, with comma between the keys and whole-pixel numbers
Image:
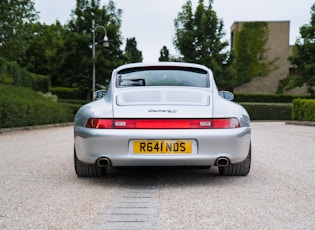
[{"x": 132, "y": 208}]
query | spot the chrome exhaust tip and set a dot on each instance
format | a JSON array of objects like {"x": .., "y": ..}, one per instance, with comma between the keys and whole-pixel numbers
[
  {"x": 222, "y": 162},
  {"x": 103, "y": 162}
]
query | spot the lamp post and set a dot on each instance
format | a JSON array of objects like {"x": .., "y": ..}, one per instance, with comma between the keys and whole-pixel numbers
[{"x": 105, "y": 44}]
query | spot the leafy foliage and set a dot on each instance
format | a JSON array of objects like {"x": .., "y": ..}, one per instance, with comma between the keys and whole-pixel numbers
[
  {"x": 268, "y": 111},
  {"x": 303, "y": 57},
  {"x": 63, "y": 52},
  {"x": 270, "y": 98},
  {"x": 289, "y": 82},
  {"x": 132, "y": 54},
  {"x": 75, "y": 67},
  {"x": 11, "y": 73},
  {"x": 249, "y": 58},
  {"x": 66, "y": 93},
  {"x": 303, "y": 110},
  {"x": 16, "y": 19},
  {"x": 199, "y": 38},
  {"x": 164, "y": 54},
  {"x": 41, "y": 56},
  {"x": 20, "y": 107}
]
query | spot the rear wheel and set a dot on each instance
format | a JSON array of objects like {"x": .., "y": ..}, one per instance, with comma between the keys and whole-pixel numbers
[
  {"x": 239, "y": 169},
  {"x": 87, "y": 170}
]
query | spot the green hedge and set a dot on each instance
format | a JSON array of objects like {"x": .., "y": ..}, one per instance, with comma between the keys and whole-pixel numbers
[
  {"x": 71, "y": 107},
  {"x": 303, "y": 110},
  {"x": 268, "y": 98},
  {"x": 74, "y": 101},
  {"x": 21, "y": 107},
  {"x": 66, "y": 93},
  {"x": 268, "y": 111},
  {"x": 12, "y": 74}
]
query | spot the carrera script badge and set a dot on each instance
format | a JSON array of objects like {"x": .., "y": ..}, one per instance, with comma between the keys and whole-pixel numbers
[{"x": 162, "y": 111}]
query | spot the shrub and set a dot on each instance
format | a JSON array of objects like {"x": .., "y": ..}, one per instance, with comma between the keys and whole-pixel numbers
[
  {"x": 66, "y": 93},
  {"x": 72, "y": 108},
  {"x": 12, "y": 74},
  {"x": 23, "y": 107},
  {"x": 268, "y": 98},
  {"x": 268, "y": 111},
  {"x": 49, "y": 96},
  {"x": 303, "y": 110}
]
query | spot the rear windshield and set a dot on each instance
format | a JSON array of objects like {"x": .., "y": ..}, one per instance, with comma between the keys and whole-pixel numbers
[{"x": 158, "y": 76}]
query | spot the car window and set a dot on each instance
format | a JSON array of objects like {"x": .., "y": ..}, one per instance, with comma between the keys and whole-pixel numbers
[{"x": 163, "y": 77}]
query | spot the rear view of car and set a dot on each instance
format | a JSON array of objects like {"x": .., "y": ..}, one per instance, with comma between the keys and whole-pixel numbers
[{"x": 162, "y": 114}]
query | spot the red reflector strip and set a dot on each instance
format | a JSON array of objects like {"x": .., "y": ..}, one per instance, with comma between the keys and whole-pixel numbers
[
  {"x": 216, "y": 123},
  {"x": 163, "y": 124}
]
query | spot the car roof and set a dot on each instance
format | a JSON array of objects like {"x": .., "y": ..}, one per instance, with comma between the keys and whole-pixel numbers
[{"x": 166, "y": 64}]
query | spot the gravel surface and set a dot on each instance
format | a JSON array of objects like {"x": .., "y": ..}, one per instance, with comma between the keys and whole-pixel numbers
[{"x": 39, "y": 188}]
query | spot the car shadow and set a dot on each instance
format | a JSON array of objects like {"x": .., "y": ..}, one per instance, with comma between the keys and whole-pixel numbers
[{"x": 155, "y": 177}]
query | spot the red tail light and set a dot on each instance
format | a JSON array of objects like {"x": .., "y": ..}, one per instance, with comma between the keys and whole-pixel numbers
[
  {"x": 99, "y": 123},
  {"x": 216, "y": 123},
  {"x": 225, "y": 123}
]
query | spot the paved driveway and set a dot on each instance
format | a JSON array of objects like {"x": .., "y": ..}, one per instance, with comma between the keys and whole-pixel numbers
[{"x": 39, "y": 189}]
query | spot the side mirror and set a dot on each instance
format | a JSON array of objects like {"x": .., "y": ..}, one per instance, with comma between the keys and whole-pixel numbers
[
  {"x": 99, "y": 94},
  {"x": 227, "y": 95}
]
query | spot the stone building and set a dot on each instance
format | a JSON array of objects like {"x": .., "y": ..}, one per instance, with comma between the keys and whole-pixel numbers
[{"x": 277, "y": 48}]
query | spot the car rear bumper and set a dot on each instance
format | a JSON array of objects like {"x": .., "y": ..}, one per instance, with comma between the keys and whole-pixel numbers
[{"x": 116, "y": 145}]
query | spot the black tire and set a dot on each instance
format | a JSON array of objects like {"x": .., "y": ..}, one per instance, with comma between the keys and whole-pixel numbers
[
  {"x": 87, "y": 170},
  {"x": 239, "y": 169}
]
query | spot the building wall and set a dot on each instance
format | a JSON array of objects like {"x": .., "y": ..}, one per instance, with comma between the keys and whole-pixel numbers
[{"x": 278, "y": 49}]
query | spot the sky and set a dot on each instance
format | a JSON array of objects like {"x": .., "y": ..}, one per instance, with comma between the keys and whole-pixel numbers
[{"x": 151, "y": 22}]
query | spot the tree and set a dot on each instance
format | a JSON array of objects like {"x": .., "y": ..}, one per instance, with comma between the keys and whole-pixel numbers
[
  {"x": 75, "y": 64},
  {"x": 303, "y": 58},
  {"x": 132, "y": 54},
  {"x": 249, "y": 52},
  {"x": 164, "y": 54},
  {"x": 16, "y": 19},
  {"x": 74, "y": 67},
  {"x": 41, "y": 55},
  {"x": 199, "y": 39}
]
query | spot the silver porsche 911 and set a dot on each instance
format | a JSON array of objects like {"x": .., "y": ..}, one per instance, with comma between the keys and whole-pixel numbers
[{"x": 162, "y": 114}]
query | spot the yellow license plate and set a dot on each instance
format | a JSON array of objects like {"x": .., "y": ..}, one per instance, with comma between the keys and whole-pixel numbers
[{"x": 162, "y": 146}]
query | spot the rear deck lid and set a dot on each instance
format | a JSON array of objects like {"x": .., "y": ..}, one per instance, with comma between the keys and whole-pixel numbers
[{"x": 167, "y": 102}]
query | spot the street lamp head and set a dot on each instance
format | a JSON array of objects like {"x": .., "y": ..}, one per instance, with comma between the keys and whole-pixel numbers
[{"x": 105, "y": 41}]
